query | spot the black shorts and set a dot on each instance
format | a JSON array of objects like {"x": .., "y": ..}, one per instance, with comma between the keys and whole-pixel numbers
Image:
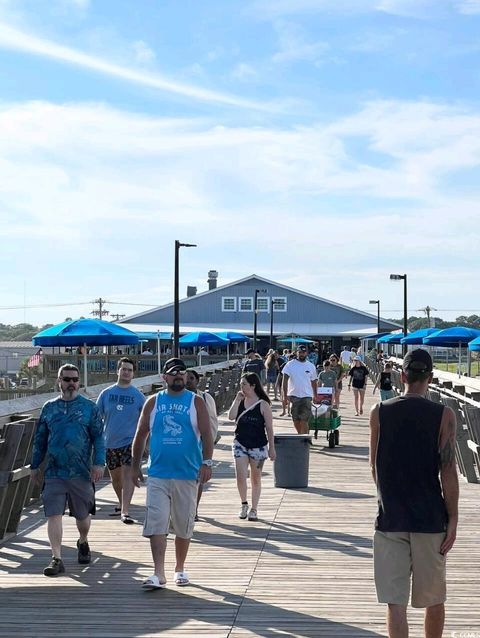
[{"x": 118, "y": 456}]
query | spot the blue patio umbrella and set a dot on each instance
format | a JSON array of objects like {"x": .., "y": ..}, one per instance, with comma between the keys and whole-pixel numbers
[
  {"x": 392, "y": 338},
  {"x": 232, "y": 336},
  {"x": 474, "y": 346},
  {"x": 452, "y": 338},
  {"x": 202, "y": 339},
  {"x": 416, "y": 338},
  {"x": 85, "y": 332},
  {"x": 292, "y": 340}
]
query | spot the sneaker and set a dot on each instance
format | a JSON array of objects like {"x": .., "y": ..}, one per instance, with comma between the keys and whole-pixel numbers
[
  {"x": 54, "y": 567},
  {"x": 252, "y": 515},
  {"x": 84, "y": 555},
  {"x": 244, "y": 511}
]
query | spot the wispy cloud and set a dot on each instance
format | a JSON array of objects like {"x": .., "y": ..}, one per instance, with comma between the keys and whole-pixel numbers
[
  {"x": 12, "y": 38},
  {"x": 244, "y": 72},
  {"x": 469, "y": 7},
  {"x": 294, "y": 44},
  {"x": 143, "y": 53}
]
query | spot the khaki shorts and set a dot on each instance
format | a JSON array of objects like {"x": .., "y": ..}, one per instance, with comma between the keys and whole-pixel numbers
[
  {"x": 398, "y": 556},
  {"x": 171, "y": 507},
  {"x": 301, "y": 408}
]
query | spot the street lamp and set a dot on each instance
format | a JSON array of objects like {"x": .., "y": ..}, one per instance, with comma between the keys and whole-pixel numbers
[
  {"x": 405, "y": 316},
  {"x": 272, "y": 306},
  {"x": 255, "y": 312},
  {"x": 377, "y": 301},
  {"x": 176, "y": 301}
]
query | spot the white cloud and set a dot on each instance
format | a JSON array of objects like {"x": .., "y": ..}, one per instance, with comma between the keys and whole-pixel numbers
[
  {"x": 12, "y": 38},
  {"x": 244, "y": 72},
  {"x": 115, "y": 189},
  {"x": 143, "y": 53}
]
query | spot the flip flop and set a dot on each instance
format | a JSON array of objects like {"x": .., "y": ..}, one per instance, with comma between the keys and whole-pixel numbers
[
  {"x": 152, "y": 582},
  {"x": 127, "y": 519},
  {"x": 116, "y": 512},
  {"x": 181, "y": 579}
]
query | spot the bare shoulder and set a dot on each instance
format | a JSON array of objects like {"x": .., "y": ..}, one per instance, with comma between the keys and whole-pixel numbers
[{"x": 374, "y": 415}]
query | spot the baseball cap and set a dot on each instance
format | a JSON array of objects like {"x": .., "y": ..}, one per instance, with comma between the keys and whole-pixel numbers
[
  {"x": 357, "y": 358},
  {"x": 173, "y": 364},
  {"x": 250, "y": 350},
  {"x": 302, "y": 348},
  {"x": 418, "y": 360}
]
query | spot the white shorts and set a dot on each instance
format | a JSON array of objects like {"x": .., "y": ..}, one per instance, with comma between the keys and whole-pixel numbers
[{"x": 171, "y": 507}]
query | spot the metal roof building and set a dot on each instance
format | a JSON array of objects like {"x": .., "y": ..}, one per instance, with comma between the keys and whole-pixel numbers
[{"x": 231, "y": 307}]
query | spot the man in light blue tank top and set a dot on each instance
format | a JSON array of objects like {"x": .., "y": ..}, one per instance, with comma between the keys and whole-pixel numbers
[
  {"x": 120, "y": 407},
  {"x": 181, "y": 448}
]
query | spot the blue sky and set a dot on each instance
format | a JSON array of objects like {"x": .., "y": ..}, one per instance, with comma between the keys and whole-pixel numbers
[{"x": 324, "y": 144}]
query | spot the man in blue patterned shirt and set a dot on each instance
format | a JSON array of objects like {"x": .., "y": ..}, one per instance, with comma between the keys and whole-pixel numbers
[{"x": 69, "y": 437}]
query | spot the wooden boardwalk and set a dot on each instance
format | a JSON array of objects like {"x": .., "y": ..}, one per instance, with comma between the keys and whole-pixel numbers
[{"x": 304, "y": 569}]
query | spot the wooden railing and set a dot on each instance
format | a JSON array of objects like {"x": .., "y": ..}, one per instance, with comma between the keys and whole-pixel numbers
[
  {"x": 104, "y": 366},
  {"x": 467, "y": 412},
  {"x": 16, "y": 442}
]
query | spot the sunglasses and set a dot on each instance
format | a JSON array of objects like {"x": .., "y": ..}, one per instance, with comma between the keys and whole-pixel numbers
[
  {"x": 68, "y": 379},
  {"x": 176, "y": 372}
]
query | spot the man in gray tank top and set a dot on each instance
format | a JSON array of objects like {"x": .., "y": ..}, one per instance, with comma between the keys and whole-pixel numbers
[{"x": 412, "y": 458}]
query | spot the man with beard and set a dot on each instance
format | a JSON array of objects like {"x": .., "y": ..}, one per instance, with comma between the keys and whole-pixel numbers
[
  {"x": 69, "y": 435},
  {"x": 300, "y": 386},
  {"x": 181, "y": 448}
]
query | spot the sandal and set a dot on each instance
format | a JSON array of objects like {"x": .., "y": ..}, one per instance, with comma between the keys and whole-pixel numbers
[
  {"x": 116, "y": 512},
  {"x": 181, "y": 579},
  {"x": 127, "y": 519},
  {"x": 152, "y": 582}
]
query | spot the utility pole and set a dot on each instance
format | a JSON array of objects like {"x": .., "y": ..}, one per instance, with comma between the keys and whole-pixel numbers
[
  {"x": 117, "y": 317},
  {"x": 100, "y": 313}
]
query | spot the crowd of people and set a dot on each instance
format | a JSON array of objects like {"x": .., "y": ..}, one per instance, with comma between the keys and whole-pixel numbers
[{"x": 417, "y": 485}]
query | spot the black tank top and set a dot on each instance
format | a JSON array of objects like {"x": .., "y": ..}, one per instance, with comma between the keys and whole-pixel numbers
[
  {"x": 407, "y": 467},
  {"x": 385, "y": 381},
  {"x": 250, "y": 430}
]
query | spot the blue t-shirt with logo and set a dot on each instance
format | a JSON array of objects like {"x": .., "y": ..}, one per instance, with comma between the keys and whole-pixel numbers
[
  {"x": 175, "y": 442},
  {"x": 120, "y": 408},
  {"x": 70, "y": 436}
]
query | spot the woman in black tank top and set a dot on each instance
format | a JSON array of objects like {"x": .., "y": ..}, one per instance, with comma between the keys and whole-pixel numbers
[{"x": 253, "y": 441}]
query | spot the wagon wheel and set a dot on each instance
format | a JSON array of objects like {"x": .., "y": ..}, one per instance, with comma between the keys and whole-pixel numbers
[
  {"x": 331, "y": 439},
  {"x": 337, "y": 437}
]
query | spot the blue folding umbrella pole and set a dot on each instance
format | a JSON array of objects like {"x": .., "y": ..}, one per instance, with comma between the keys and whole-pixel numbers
[
  {"x": 451, "y": 338},
  {"x": 85, "y": 332}
]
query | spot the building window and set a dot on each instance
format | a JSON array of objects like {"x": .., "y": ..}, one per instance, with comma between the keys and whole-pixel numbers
[
  {"x": 245, "y": 304},
  {"x": 229, "y": 304},
  {"x": 263, "y": 304},
  {"x": 280, "y": 304}
]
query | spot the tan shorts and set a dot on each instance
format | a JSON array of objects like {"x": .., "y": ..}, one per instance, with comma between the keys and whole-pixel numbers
[
  {"x": 398, "y": 556},
  {"x": 171, "y": 506}
]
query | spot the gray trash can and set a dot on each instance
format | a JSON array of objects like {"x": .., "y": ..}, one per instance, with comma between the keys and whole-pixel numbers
[{"x": 290, "y": 468}]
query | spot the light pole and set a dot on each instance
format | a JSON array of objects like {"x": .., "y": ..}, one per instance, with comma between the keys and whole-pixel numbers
[
  {"x": 255, "y": 312},
  {"x": 377, "y": 301},
  {"x": 272, "y": 306},
  {"x": 176, "y": 300},
  {"x": 405, "y": 315}
]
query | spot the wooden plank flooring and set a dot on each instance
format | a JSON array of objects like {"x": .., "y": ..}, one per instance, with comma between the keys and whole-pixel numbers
[{"x": 304, "y": 569}]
